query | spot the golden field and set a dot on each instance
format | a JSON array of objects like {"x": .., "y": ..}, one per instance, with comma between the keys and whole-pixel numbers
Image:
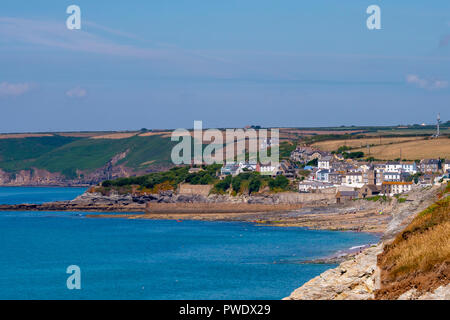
[
  {"x": 411, "y": 150},
  {"x": 333, "y": 145}
]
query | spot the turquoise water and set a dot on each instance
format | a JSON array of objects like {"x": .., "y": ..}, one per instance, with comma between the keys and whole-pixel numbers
[
  {"x": 147, "y": 259},
  {"x": 14, "y": 195}
]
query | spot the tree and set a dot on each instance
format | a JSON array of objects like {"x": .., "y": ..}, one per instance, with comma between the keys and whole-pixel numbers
[
  {"x": 313, "y": 162},
  {"x": 236, "y": 183},
  {"x": 343, "y": 149},
  {"x": 280, "y": 182},
  {"x": 223, "y": 185},
  {"x": 106, "y": 183},
  {"x": 254, "y": 185},
  {"x": 353, "y": 155}
]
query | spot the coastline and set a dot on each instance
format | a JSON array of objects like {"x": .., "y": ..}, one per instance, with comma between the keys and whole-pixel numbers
[
  {"x": 358, "y": 276},
  {"x": 369, "y": 222},
  {"x": 362, "y": 216},
  {"x": 315, "y": 211}
]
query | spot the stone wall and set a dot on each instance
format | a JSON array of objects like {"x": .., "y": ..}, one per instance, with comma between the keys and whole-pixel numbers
[
  {"x": 190, "y": 189},
  {"x": 296, "y": 197}
]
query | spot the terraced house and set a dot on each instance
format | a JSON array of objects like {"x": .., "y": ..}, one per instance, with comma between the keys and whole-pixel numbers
[
  {"x": 430, "y": 165},
  {"x": 390, "y": 188}
]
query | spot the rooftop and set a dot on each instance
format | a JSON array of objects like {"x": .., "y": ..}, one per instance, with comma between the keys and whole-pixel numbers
[{"x": 397, "y": 183}]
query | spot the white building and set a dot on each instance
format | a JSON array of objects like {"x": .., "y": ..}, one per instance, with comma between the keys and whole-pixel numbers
[
  {"x": 324, "y": 163},
  {"x": 393, "y": 166},
  {"x": 308, "y": 186},
  {"x": 354, "y": 179},
  {"x": 446, "y": 165},
  {"x": 410, "y": 167},
  {"x": 247, "y": 166},
  {"x": 322, "y": 175},
  {"x": 268, "y": 169},
  {"x": 390, "y": 188},
  {"x": 391, "y": 176}
]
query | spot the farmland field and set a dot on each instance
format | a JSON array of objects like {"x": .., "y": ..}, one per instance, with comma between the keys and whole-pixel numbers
[
  {"x": 412, "y": 150},
  {"x": 333, "y": 145}
]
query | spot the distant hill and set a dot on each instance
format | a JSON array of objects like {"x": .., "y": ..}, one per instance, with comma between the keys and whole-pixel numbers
[{"x": 84, "y": 158}]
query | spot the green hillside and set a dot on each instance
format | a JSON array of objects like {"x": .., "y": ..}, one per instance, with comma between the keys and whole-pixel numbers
[
  {"x": 12, "y": 150},
  {"x": 66, "y": 154}
]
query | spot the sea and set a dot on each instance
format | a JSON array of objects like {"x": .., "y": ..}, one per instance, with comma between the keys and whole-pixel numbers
[{"x": 152, "y": 259}]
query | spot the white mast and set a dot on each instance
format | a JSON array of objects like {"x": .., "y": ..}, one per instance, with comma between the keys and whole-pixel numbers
[{"x": 438, "y": 123}]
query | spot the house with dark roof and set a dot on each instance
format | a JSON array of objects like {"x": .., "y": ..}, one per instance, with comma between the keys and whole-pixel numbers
[
  {"x": 345, "y": 196},
  {"x": 229, "y": 169},
  {"x": 323, "y": 175},
  {"x": 369, "y": 190},
  {"x": 430, "y": 165},
  {"x": 286, "y": 169},
  {"x": 336, "y": 177}
]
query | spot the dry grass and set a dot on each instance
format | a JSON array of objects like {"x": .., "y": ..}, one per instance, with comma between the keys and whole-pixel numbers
[
  {"x": 300, "y": 132},
  {"x": 159, "y": 133},
  {"x": 333, "y": 145},
  {"x": 423, "y": 251},
  {"x": 80, "y": 134},
  {"x": 424, "y": 244},
  {"x": 116, "y": 136},
  {"x": 419, "y": 149},
  {"x": 24, "y": 135}
]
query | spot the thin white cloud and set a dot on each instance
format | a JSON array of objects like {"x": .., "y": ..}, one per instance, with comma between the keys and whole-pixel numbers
[
  {"x": 13, "y": 89},
  {"x": 112, "y": 31},
  {"x": 56, "y": 35},
  {"x": 101, "y": 40},
  {"x": 76, "y": 92},
  {"x": 426, "y": 83}
]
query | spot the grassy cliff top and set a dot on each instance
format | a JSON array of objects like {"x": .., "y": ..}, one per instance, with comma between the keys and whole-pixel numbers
[{"x": 419, "y": 257}]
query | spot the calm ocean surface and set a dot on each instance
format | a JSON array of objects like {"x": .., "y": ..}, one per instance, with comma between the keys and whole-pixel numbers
[{"x": 147, "y": 259}]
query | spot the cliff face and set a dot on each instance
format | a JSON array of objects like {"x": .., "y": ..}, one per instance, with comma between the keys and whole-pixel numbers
[
  {"x": 39, "y": 177},
  {"x": 31, "y": 177},
  {"x": 359, "y": 277}
]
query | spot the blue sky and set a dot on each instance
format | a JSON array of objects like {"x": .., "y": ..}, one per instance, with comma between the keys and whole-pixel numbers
[{"x": 164, "y": 64}]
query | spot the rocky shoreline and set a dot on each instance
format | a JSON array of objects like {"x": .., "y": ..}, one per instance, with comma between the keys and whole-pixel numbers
[
  {"x": 314, "y": 211},
  {"x": 358, "y": 277}
]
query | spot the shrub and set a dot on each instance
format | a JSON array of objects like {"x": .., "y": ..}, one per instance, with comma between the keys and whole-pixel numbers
[
  {"x": 353, "y": 155},
  {"x": 223, "y": 185},
  {"x": 280, "y": 182},
  {"x": 236, "y": 183},
  {"x": 254, "y": 185}
]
